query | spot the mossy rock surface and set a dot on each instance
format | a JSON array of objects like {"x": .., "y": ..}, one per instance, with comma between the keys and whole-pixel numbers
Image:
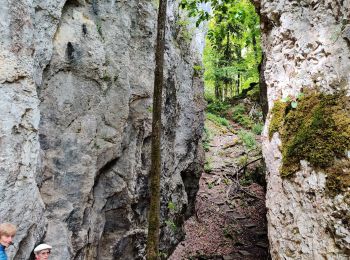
[{"x": 318, "y": 131}]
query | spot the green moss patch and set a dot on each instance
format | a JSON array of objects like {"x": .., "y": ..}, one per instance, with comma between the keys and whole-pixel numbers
[
  {"x": 338, "y": 176},
  {"x": 318, "y": 131},
  {"x": 279, "y": 113}
]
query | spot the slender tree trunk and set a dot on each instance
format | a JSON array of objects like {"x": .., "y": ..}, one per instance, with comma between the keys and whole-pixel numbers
[
  {"x": 222, "y": 93},
  {"x": 217, "y": 95},
  {"x": 217, "y": 92},
  {"x": 238, "y": 83},
  {"x": 155, "y": 173},
  {"x": 226, "y": 85}
]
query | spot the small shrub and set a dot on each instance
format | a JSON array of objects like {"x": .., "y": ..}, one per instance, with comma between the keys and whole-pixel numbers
[
  {"x": 171, "y": 225},
  {"x": 257, "y": 128},
  {"x": 238, "y": 111},
  {"x": 243, "y": 160},
  {"x": 246, "y": 181},
  {"x": 210, "y": 185},
  {"x": 209, "y": 96},
  {"x": 248, "y": 139},
  {"x": 254, "y": 94},
  {"x": 171, "y": 206},
  {"x": 239, "y": 116},
  {"x": 245, "y": 121},
  {"x": 217, "y": 119},
  {"x": 206, "y": 146},
  {"x": 183, "y": 31},
  {"x": 227, "y": 181},
  {"x": 197, "y": 70},
  {"x": 162, "y": 255},
  {"x": 207, "y": 165},
  {"x": 206, "y": 139},
  {"x": 217, "y": 108}
]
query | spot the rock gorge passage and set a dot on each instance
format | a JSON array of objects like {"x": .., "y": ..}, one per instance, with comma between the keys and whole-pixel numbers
[{"x": 76, "y": 103}]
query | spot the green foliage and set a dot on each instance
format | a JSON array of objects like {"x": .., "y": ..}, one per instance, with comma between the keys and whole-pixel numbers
[
  {"x": 183, "y": 31},
  {"x": 197, "y": 70},
  {"x": 248, "y": 139},
  {"x": 245, "y": 181},
  {"x": 162, "y": 255},
  {"x": 106, "y": 77},
  {"x": 239, "y": 116},
  {"x": 207, "y": 165},
  {"x": 217, "y": 119},
  {"x": 257, "y": 128},
  {"x": 171, "y": 206},
  {"x": 318, "y": 131},
  {"x": 171, "y": 224},
  {"x": 209, "y": 96},
  {"x": 210, "y": 185},
  {"x": 206, "y": 139},
  {"x": 242, "y": 160},
  {"x": 254, "y": 94},
  {"x": 292, "y": 101},
  {"x": 245, "y": 121},
  {"x": 232, "y": 53},
  {"x": 227, "y": 181},
  {"x": 238, "y": 111},
  {"x": 218, "y": 107}
]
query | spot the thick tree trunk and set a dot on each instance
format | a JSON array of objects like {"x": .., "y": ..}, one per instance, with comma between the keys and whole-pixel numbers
[{"x": 155, "y": 173}]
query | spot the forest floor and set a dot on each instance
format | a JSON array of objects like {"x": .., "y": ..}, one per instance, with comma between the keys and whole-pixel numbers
[{"x": 230, "y": 212}]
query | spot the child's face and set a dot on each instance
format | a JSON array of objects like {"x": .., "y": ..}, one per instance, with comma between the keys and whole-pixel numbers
[
  {"x": 43, "y": 254},
  {"x": 6, "y": 240}
]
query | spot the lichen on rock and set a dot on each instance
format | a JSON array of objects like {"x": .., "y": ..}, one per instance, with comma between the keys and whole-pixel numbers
[{"x": 318, "y": 131}]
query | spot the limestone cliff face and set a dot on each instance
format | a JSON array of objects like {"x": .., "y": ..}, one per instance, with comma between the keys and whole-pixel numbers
[
  {"x": 76, "y": 95},
  {"x": 306, "y": 45}
]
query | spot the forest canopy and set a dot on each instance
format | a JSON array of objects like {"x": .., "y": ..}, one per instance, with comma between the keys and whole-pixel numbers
[{"x": 232, "y": 53}]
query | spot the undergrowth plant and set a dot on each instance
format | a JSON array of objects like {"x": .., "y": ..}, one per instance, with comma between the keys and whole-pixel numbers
[
  {"x": 206, "y": 138},
  {"x": 257, "y": 128},
  {"x": 217, "y": 119},
  {"x": 207, "y": 165},
  {"x": 248, "y": 139}
]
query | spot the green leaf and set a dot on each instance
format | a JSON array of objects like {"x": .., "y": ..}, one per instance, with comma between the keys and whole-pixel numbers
[
  {"x": 300, "y": 96},
  {"x": 294, "y": 104},
  {"x": 286, "y": 99},
  {"x": 171, "y": 206}
]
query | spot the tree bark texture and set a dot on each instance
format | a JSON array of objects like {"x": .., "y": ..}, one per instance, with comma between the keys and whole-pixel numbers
[{"x": 155, "y": 173}]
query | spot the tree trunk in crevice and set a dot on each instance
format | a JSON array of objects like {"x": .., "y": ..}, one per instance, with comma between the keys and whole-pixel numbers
[{"x": 155, "y": 172}]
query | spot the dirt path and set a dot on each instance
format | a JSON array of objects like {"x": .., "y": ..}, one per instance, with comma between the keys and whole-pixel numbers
[{"x": 230, "y": 218}]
